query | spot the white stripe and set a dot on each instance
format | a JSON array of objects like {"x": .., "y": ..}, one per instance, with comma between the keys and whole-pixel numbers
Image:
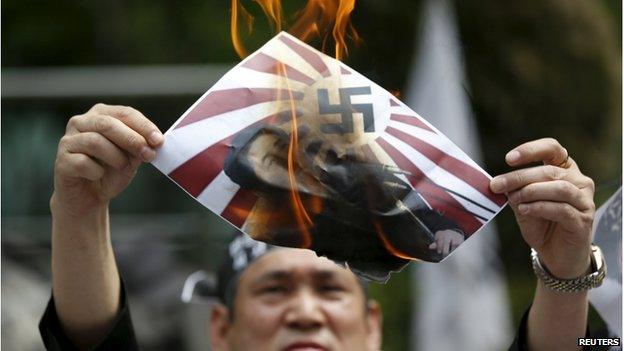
[
  {"x": 473, "y": 208},
  {"x": 438, "y": 174},
  {"x": 441, "y": 143},
  {"x": 281, "y": 51},
  {"x": 183, "y": 143},
  {"x": 403, "y": 109},
  {"x": 218, "y": 194}
]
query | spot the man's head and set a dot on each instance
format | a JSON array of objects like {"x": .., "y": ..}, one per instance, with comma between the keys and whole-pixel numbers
[{"x": 290, "y": 299}]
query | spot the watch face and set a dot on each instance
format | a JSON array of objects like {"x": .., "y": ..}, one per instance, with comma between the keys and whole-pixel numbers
[
  {"x": 608, "y": 235},
  {"x": 598, "y": 261}
]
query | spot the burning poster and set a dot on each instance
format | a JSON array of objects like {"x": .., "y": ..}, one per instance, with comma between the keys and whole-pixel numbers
[{"x": 296, "y": 149}]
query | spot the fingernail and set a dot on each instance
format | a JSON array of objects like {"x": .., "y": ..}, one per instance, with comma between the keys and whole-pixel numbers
[
  {"x": 523, "y": 209},
  {"x": 498, "y": 184},
  {"x": 512, "y": 156},
  {"x": 147, "y": 154},
  {"x": 155, "y": 138}
]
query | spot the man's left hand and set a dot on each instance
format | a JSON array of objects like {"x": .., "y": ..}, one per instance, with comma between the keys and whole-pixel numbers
[{"x": 553, "y": 204}]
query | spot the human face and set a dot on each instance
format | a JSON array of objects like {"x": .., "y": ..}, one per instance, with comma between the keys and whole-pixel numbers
[
  {"x": 292, "y": 300},
  {"x": 268, "y": 156}
]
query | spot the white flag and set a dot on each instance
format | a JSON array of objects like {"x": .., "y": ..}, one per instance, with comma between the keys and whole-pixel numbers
[
  {"x": 462, "y": 302},
  {"x": 607, "y": 299}
]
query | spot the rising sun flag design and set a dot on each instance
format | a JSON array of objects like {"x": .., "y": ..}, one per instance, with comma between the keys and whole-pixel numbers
[{"x": 297, "y": 149}]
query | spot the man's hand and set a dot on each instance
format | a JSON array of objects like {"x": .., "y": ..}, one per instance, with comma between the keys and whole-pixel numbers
[
  {"x": 553, "y": 204},
  {"x": 446, "y": 241},
  {"x": 98, "y": 156}
]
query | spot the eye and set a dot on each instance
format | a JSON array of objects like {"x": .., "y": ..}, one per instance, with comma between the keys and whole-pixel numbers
[
  {"x": 273, "y": 289},
  {"x": 268, "y": 160},
  {"x": 331, "y": 288}
]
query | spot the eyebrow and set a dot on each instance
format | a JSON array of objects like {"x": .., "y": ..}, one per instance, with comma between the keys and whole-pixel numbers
[
  {"x": 272, "y": 275},
  {"x": 286, "y": 275}
]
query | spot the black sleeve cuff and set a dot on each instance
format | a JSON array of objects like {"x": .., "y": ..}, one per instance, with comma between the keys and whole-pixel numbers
[
  {"x": 120, "y": 336},
  {"x": 520, "y": 342},
  {"x": 437, "y": 221}
]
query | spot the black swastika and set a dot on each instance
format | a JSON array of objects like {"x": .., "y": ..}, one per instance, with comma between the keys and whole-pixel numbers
[{"x": 346, "y": 109}]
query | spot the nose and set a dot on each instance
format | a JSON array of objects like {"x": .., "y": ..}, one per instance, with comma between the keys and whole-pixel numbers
[{"x": 305, "y": 312}]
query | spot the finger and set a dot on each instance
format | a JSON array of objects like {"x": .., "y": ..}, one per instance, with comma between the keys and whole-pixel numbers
[
  {"x": 447, "y": 245},
  {"x": 80, "y": 166},
  {"x": 97, "y": 146},
  {"x": 135, "y": 162},
  {"x": 547, "y": 150},
  {"x": 556, "y": 191},
  {"x": 455, "y": 242},
  {"x": 135, "y": 120},
  {"x": 116, "y": 131},
  {"x": 517, "y": 179},
  {"x": 439, "y": 243},
  {"x": 561, "y": 213},
  {"x": 433, "y": 246}
]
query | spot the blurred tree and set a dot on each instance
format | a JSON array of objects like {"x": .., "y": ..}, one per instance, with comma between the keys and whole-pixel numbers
[{"x": 544, "y": 68}]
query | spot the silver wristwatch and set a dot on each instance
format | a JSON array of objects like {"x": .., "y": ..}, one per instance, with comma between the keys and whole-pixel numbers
[{"x": 590, "y": 281}]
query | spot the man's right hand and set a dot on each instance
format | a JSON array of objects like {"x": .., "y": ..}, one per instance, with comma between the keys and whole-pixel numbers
[
  {"x": 97, "y": 158},
  {"x": 99, "y": 155}
]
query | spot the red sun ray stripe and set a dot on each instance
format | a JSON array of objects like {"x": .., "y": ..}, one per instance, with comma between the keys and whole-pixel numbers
[
  {"x": 200, "y": 170},
  {"x": 238, "y": 209},
  {"x": 411, "y": 120},
  {"x": 222, "y": 101},
  {"x": 312, "y": 58},
  {"x": 393, "y": 103},
  {"x": 196, "y": 173},
  {"x": 264, "y": 63},
  {"x": 369, "y": 154},
  {"x": 344, "y": 70},
  {"x": 458, "y": 168},
  {"x": 436, "y": 197}
]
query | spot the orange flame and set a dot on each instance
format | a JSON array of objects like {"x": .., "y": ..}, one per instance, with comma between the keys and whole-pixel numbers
[
  {"x": 341, "y": 26},
  {"x": 318, "y": 18},
  {"x": 236, "y": 41},
  {"x": 388, "y": 245},
  {"x": 301, "y": 215},
  {"x": 273, "y": 10}
]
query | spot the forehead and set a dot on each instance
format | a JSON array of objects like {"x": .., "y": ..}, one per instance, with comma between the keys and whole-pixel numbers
[
  {"x": 263, "y": 141},
  {"x": 296, "y": 262}
]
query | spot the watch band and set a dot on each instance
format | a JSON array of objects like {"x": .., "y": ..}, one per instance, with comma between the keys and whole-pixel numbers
[{"x": 583, "y": 283}]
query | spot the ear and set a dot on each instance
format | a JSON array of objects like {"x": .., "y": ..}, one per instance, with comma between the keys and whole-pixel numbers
[
  {"x": 374, "y": 319},
  {"x": 219, "y": 326}
]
